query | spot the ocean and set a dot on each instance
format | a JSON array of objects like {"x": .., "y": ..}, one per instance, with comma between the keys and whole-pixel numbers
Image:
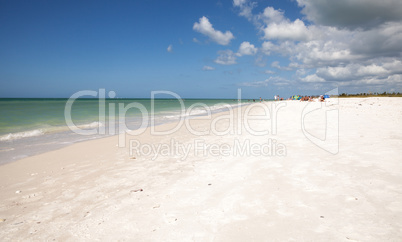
[{"x": 30, "y": 126}]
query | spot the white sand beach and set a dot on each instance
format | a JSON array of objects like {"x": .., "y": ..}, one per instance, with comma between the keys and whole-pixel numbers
[{"x": 324, "y": 172}]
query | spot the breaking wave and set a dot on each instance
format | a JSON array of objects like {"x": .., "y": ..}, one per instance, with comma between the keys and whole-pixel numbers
[{"x": 20, "y": 135}]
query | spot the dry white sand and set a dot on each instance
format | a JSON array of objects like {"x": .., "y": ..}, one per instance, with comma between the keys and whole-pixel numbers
[{"x": 305, "y": 186}]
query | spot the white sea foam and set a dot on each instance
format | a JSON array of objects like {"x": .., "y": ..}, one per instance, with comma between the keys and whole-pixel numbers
[
  {"x": 20, "y": 135},
  {"x": 223, "y": 106},
  {"x": 90, "y": 125},
  {"x": 201, "y": 111},
  {"x": 198, "y": 111},
  {"x": 39, "y": 132},
  {"x": 5, "y": 149}
]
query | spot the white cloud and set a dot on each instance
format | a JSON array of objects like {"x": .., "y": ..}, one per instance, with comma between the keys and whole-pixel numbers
[
  {"x": 386, "y": 73},
  {"x": 359, "y": 71},
  {"x": 330, "y": 48},
  {"x": 208, "y": 68},
  {"x": 271, "y": 15},
  {"x": 312, "y": 78},
  {"x": 239, "y": 2},
  {"x": 246, "y": 7},
  {"x": 287, "y": 30},
  {"x": 206, "y": 28},
  {"x": 267, "y": 47},
  {"x": 274, "y": 25},
  {"x": 301, "y": 72},
  {"x": 276, "y": 65},
  {"x": 226, "y": 57},
  {"x": 322, "y": 53},
  {"x": 246, "y": 49},
  {"x": 170, "y": 48},
  {"x": 392, "y": 81},
  {"x": 347, "y": 43},
  {"x": 395, "y": 66},
  {"x": 371, "y": 70}
]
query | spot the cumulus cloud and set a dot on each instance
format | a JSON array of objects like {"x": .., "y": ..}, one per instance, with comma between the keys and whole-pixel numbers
[
  {"x": 267, "y": 47},
  {"x": 246, "y": 8},
  {"x": 287, "y": 30},
  {"x": 226, "y": 57},
  {"x": 276, "y": 65},
  {"x": 312, "y": 78},
  {"x": 352, "y": 72},
  {"x": 205, "y": 27},
  {"x": 385, "y": 73},
  {"x": 275, "y": 26},
  {"x": 246, "y": 49},
  {"x": 271, "y": 15},
  {"x": 347, "y": 43}
]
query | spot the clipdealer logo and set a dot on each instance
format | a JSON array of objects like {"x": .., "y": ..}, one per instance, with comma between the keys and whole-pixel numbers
[{"x": 239, "y": 120}]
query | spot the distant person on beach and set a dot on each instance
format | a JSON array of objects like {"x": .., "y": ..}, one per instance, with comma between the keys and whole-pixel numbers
[{"x": 322, "y": 98}]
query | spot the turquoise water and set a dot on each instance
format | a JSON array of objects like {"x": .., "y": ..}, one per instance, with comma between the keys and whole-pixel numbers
[{"x": 32, "y": 126}]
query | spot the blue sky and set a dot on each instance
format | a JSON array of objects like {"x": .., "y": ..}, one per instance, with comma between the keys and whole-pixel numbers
[{"x": 205, "y": 49}]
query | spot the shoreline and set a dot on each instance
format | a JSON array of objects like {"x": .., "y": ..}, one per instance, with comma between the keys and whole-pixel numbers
[
  {"x": 95, "y": 190},
  {"x": 63, "y": 136}
]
